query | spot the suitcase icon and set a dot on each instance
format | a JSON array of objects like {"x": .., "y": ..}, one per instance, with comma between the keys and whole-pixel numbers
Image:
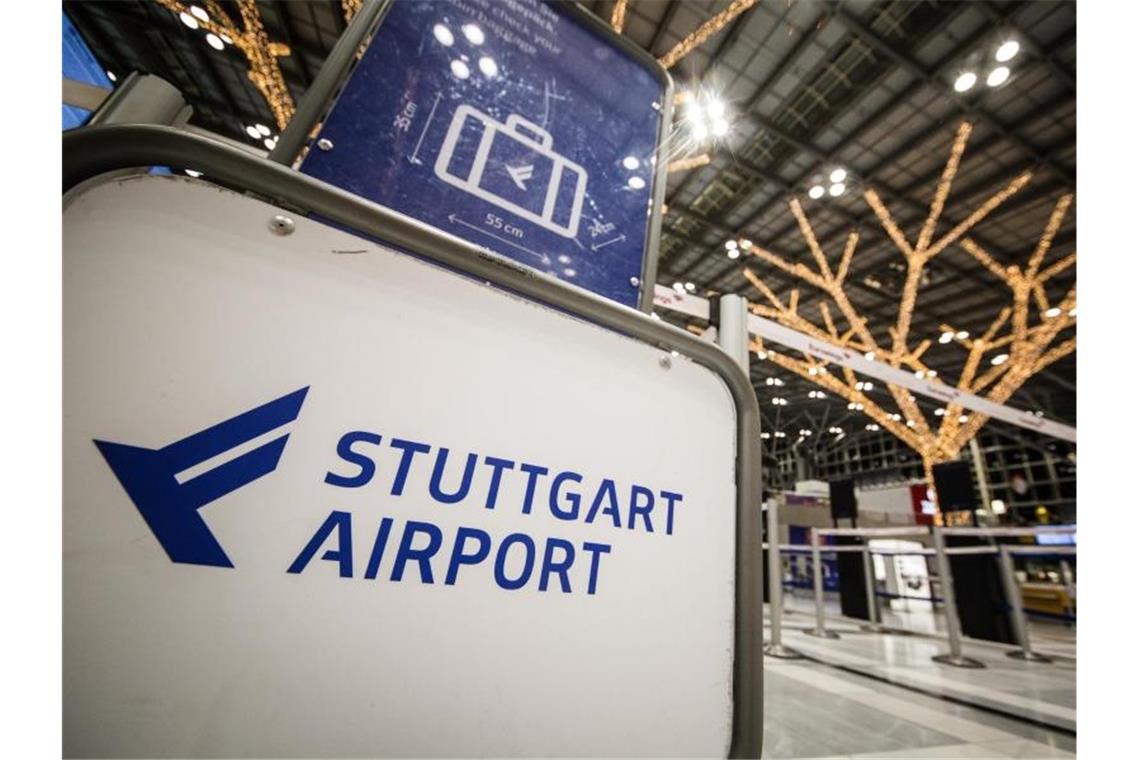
[{"x": 513, "y": 166}]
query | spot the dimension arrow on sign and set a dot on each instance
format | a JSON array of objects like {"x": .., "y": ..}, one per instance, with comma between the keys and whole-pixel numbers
[
  {"x": 431, "y": 114},
  {"x": 456, "y": 220},
  {"x": 600, "y": 246}
]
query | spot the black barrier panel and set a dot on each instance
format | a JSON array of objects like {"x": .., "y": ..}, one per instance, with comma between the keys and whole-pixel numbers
[
  {"x": 982, "y": 606},
  {"x": 852, "y": 581}
]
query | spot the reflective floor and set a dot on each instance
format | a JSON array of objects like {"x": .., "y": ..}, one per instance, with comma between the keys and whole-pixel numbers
[{"x": 826, "y": 707}]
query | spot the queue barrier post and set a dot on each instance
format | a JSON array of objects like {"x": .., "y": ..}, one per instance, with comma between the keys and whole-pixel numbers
[
  {"x": 817, "y": 575},
  {"x": 950, "y": 608},
  {"x": 1017, "y": 620},
  {"x": 775, "y": 646},
  {"x": 872, "y": 598}
]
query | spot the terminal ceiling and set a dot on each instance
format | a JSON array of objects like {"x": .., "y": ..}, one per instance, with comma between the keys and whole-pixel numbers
[{"x": 866, "y": 85}]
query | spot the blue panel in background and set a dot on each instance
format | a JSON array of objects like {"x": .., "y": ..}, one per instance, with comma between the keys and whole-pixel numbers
[
  {"x": 509, "y": 124},
  {"x": 80, "y": 65}
]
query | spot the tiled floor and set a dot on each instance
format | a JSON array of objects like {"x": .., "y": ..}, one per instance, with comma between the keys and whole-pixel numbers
[
  {"x": 815, "y": 711},
  {"x": 823, "y": 707}
]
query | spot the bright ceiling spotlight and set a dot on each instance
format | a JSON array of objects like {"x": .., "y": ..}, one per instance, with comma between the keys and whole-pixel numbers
[
  {"x": 193, "y": 172},
  {"x": 700, "y": 131},
  {"x": 962, "y": 335},
  {"x": 733, "y": 253},
  {"x": 761, "y": 355},
  {"x": 215, "y": 41},
  {"x": 872, "y": 427},
  {"x": 896, "y": 417},
  {"x": 910, "y": 423},
  {"x": 1007, "y": 50},
  {"x": 839, "y": 175},
  {"x": 253, "y": 132},
  {"x": 270, "y": 143},
  {"x": 999, "y": 359},
  {"x": 490, "y": 69},
  {"x": 460, "y": 69},
  {"x": 188, "y": 20},
  {"x": 630, "y": 162},
  {"x": 720, "y": 127},
  {"x": 869, "y": 356},
  {"x": 112, "y": 77},
  {"x": 690, "y": 287},
  {"x": 918, "y": 374},
  {"x": 1054, "y": 312},
  {"x": 1073, "y": 312},
  {"x": 443, "y": 35},
  {"x": 636, "y": 183},
  {"x": 932, "y": 373},
  {"x": 746, "y": 244},
  {"x": 730, "y": 244},
  {"x": 997, "y": 506},
  {"x": 965, "y": 81},
  {"x": 997, "y": 76},
  {"x": 939, "y": 412},
  {"x": 963, "y": 418},
  {"x": 946, "y": 337},
  {"x": 715, "y": 109},
  {"x": 199, "y": 13},
  {"x": 263, "y": 130},
  {"x": 679, "y": 287},
  {"x": 867, "y": 386},
  {"x": 816, "y": 192},
  {"x": 837, "y": 189},
  {"x": 473, "y": 34}
]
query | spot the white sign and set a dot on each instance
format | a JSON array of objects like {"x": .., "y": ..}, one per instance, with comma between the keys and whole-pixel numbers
[
  {"x": 798, "y": 341},
  {"x": 325, "y": 499}
]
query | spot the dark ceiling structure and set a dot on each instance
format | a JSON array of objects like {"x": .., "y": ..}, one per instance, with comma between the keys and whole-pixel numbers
[{"x": 866, "y": 85}]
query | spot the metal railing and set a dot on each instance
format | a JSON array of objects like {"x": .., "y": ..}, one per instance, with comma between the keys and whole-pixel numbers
[{"x": 941, "y": 553}]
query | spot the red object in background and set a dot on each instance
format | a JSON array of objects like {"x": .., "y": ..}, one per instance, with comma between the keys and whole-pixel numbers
[{"x": 924, "y": 508}]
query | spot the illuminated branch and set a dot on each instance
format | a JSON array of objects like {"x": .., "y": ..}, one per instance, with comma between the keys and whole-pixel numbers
[
  {"x": 702, "y": 33},
  {"x": 1029, "y": 345},
  {"x": 617, "y": 20}
]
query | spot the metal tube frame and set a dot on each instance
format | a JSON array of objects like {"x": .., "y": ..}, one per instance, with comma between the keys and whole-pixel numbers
[
  {"x": 872, "y": 598},
  {"x": 90, "y": 152}
]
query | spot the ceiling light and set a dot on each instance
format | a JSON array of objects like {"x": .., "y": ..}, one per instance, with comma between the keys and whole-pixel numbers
[
  {"x": 896, "y": 417},
  {"x": 963, "y": 418},
  {"x": 203, "y": 16},
  {"x": 730, "y": 244},
  {"x": 1007, "y": 50},
  {"x": 715, "y": 109},
  {"x": 460, "y": 69},
  {"x": 679, "y": 287},
  {"x": 270, "y": 143},
  {"x": 816, "y": 192},
  {"x": 443, "y": 34},
  {"x": 965, "y": 81},
  {"x": 733, "y": 253},
  {"x": 700, "y": 131},
  {"x": 193, "y": 172},
  {"x": 999, "y": 359},
  {"x": 1054, "y": 312},
  {"x": 765, "y": 436},
  {"x": 939, "y": 412},
  {"x": 226, "y": 39},
  {"x": 869, "y": 356},
  {"x": 720, "y": 128},
  {"x": 918, "y": 374},
  {"x": 263, "y": 130},
  {"x": 872, "y": 427},
  {"x": 690, "y": 287},
  {"x": 188, "y": 20},
  {"x": 839, "y": 175},
  {"x": 490, "y": 69},
  {"x": 962, "y": 335},
  {"x": 630, "y": 162},
  {"x": 745, "y": 243},
  {"x": 997, "y": 506},
  {"x": 761, "y": 355},
  {"x": 910, "y": 423},
  {"x": 867, "y": 386},
  {"x": 253, "y": 133},
  {"x": 813, "y": 371},
  {"x": 473, "y": 34},
  {"x": 636, "y": 183},
  {"x": 1073, "y": 312},
  {"x": 112, "y": 77},
  {"x": 215, "y": 41},
  {"x": 997, "y": 76},
  {"x": 946, "y": 337},
  {"x": 569, "y": 272},
  {"x": 837, "y": 189}
]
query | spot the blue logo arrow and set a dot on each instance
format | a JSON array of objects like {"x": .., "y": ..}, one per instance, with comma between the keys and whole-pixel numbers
[{"x": 170, "y": 505}]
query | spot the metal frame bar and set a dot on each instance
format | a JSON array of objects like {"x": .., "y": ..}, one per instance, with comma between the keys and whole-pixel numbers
[{"x": 90, "y": 152}]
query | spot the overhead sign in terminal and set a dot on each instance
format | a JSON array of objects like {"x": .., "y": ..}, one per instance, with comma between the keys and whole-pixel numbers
[{"x": 511, "y": 124}]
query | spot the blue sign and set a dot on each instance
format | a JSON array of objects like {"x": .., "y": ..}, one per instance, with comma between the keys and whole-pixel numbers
[{"x": 508, "y": 123}]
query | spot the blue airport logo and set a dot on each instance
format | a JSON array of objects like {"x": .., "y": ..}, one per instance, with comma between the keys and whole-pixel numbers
[{"x": 169, "y": 485}]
